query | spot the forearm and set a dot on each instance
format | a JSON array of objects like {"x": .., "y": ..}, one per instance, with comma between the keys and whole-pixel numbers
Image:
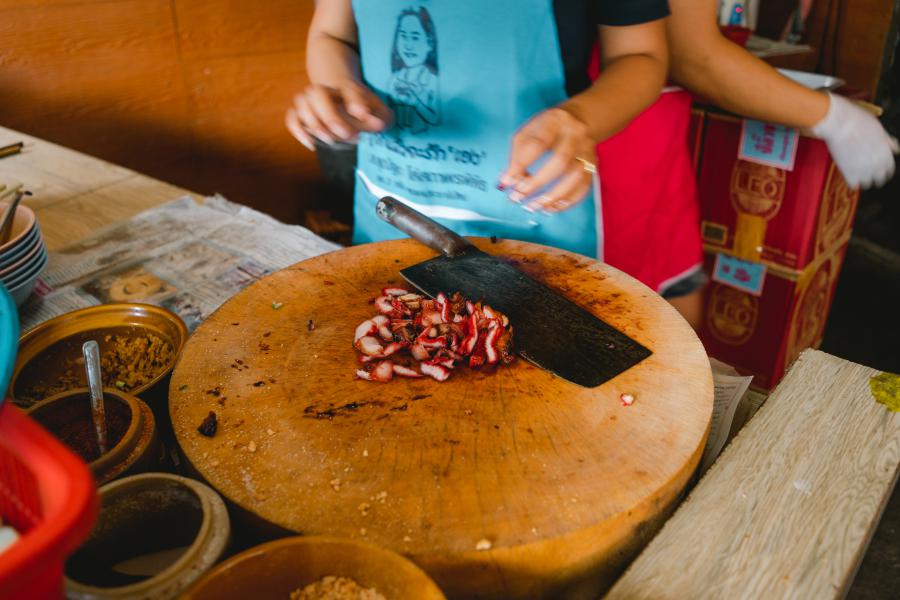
[
  {"x": 330, "y": 60},
  {"x": 628, "y": 85},
  {"x": 723, "y": 73},
  {"x": 336, "y": 105},
  {"x": 332, "y": 47}
]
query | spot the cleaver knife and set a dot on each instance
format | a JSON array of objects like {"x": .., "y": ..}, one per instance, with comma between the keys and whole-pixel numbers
[{"x": 549, "y": 330}]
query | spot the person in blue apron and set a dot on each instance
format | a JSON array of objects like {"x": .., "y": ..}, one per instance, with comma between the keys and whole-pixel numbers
[{"x": 458, "y": 107}]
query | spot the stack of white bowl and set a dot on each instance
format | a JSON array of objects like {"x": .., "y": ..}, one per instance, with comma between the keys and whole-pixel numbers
[{"x": 24, "y": 256}]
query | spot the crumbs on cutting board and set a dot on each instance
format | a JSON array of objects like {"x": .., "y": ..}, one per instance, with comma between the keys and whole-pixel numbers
[{"x": 209, "y": 425}]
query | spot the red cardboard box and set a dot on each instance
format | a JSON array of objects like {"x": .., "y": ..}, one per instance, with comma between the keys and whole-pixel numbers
[
  {"x": 761, "y": 336},
  {"x": 695, "y": 136},
  {"x": 765, "y": 214}
]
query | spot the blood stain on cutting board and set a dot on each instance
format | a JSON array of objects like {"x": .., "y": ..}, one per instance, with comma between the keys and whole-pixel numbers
[{"x": 330, "y": 412}]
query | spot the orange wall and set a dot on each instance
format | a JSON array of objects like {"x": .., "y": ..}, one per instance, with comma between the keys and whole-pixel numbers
[{"x": 189, "y": 91}]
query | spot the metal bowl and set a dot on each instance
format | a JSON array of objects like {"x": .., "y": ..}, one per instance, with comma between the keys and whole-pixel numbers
[{"x": 47, "y": 349}]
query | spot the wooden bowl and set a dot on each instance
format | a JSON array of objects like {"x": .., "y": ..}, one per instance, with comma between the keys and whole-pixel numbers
[
  {"x": 45, "y": 350},
  {"x": 276, "y": 569}
]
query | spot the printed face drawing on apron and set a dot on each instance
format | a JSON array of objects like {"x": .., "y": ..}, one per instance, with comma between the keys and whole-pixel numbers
[
  {"x": 460, "y": 79},
  {"x": 413, "y": 86}
]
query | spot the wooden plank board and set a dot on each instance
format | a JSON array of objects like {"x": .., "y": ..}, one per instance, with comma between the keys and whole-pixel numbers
[
  {"x": 788, "y": 509},
  {"x": 246, "y": 152},
  {"x": 215, "y": 28},
  {"x": 260, "y": 89},
  {"x": 562, "y": 483},
  {"x": 103, "y": 77}
]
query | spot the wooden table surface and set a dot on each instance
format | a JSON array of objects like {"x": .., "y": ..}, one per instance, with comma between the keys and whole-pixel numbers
[
  {"x": 76, "y": 194},
  {"x": 788, "y": 508}
]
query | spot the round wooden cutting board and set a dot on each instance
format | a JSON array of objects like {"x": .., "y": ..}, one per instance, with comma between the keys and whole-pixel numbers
[{"x": 503, "y": 484}]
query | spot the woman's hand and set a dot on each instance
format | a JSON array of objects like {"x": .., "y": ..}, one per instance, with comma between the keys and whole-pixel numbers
[
  {"x": 335, "y": 114},
  {"x": 570, "y": 165},
  {"x": 634, "y": 71}
]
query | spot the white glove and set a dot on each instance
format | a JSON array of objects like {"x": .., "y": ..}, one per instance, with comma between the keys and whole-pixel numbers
[{"x": 862, "y": 149}]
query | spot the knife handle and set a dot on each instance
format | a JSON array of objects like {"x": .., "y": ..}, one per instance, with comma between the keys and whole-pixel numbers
[{"x": 421, "y": 228}]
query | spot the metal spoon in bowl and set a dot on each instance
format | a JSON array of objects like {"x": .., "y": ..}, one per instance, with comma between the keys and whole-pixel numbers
[{"x": 91, "y": 352}]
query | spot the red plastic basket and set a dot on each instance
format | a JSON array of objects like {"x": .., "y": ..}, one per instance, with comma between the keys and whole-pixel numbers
[{"x": 48, "y": 495}]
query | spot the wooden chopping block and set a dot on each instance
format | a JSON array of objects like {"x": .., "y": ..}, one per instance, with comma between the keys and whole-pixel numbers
[{"x": 510, "y": 484}]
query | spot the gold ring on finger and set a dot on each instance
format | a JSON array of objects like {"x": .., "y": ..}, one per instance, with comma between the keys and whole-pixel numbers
[{"x": 587, "y": 165}]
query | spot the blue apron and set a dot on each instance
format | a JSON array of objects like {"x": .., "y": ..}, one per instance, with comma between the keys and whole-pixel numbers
[{"x": 461, "y": 76}]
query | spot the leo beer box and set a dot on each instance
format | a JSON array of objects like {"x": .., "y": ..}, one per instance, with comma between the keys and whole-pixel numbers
[
  {"x": 695, "y": 136},
  {"x": 763, "y": 213},
  {"x": 762, "y": 335}
]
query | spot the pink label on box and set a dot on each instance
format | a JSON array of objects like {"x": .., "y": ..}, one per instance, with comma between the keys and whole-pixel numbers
[
  {"x": 768, "y": 144},
  {"x": 740, "y": 274}
]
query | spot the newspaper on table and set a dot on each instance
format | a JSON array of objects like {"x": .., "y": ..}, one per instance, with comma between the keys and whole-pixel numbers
[
  {"x": 730, "y": 388},
  {"x": 184, "y": 256}
]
